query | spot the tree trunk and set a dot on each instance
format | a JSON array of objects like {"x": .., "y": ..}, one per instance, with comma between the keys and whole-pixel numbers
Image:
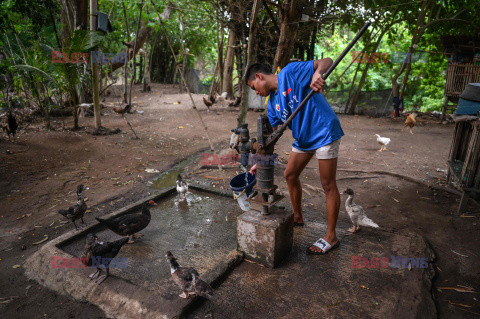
[
  {"x": 125, "y": 69},
  {"x": 217, "y": 66},
  {"x": 125, "y": 80},
  {"x": 138, "y": 43},
  {"x": 72, "y": 16},
  {"x": 367, "y": 66},
  {"x": 140, "y": 72},
  {"x": 239, "y": 63},
  {"x": 95, "y": 69},
  {"x": 134, "y": 65},
  {"x": 352, "y": 85},
  {"x": 228, "y": 69},
  {"x": 146, "y": 76},
  {"x": 220, "y": 59},
  {"x": 417, "y": 34},
  {"x": 311, "y": 49},
  {"x": 289, "y": 16},
  {"x": 250, "y": 59},
  {"x": 81, "y": 14},
  {"x": 135, "y": 50}
]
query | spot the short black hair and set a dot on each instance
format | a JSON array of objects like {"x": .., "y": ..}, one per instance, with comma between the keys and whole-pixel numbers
[{"x": 256, "y": 68}]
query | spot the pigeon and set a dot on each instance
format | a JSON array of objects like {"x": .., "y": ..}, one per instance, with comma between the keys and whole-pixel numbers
[{"x": 356, "y": 213}]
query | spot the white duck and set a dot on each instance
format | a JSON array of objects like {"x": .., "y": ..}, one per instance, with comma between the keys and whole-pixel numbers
[
  {"x": 384, "y": 141},
  {"x": 182, "y": 187},
  {"x": 356, "y": 213}
]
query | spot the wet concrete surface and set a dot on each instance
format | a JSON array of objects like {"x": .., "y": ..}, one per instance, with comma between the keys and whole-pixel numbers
[
  {"x": 303, "y": 286},
  {"x": 308, "y": 286},
  {"x": 199, "y": 231}
]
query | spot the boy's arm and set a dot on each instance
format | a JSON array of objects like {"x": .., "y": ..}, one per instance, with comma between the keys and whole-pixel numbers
[{"x": 320, "y": 66}]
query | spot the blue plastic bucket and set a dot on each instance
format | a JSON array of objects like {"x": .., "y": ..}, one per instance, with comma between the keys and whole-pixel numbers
[
  {"x": 237, "y": 184},
  {"x": 242, "y": 189}
]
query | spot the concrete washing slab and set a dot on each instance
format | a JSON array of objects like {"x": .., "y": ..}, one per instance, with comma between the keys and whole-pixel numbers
[
  {"x": 330, "y": 286},
  {"x": 200, "y": 232},
  {"x": 202, "y": 235}
]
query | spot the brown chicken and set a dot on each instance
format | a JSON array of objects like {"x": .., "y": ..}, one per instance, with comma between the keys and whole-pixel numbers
[
  {"x": 122, "y": 110},
  {"x": 410, "y": 121},
  {"x": 207, "y": 103},
  {"x": 10, "y": 124}
]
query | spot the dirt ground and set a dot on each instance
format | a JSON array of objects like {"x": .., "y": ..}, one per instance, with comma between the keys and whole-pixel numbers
[{"x": 40, "y": 169}]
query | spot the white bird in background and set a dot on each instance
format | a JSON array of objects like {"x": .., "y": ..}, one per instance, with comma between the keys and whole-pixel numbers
[
  {"x": 182, "y": 187},
  {"x": 384, "y": 141},
  {"x": 356, "y": 213}
]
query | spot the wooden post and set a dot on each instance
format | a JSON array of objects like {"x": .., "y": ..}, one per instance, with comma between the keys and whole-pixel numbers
[
  {"x": 95, "y": 75},
  {"x": 472, "y": 160},
  {"x": 125, "y": 75},
  {"x": 444, "y": 108}
]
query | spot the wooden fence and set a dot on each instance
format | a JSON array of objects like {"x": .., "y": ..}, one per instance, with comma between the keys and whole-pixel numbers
[{"x": 458, "y": 76}]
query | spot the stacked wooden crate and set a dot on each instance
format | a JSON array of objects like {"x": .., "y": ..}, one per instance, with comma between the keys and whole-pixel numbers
[{"x": 464, "y": 159}]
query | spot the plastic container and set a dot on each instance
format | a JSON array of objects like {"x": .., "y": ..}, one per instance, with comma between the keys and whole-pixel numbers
[
  {"x": 242, "y": 187},
  {"x": 471, "y": 92}
]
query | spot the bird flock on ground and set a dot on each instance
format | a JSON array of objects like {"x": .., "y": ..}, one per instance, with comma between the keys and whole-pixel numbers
[{"x": 129, "y": 225}]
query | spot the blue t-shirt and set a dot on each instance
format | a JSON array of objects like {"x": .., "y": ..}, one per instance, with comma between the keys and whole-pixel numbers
[{"x": 316, "y": 125}]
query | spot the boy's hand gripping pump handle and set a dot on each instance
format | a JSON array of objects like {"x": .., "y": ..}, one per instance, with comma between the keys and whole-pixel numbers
[{"x": 278, "y": 133}]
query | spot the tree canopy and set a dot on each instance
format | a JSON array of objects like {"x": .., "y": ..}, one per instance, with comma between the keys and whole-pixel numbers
[{"x": 284, "y": 31}]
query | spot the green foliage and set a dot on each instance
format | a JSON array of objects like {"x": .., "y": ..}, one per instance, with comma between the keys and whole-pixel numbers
[
  {"x": 28, "y": 37},
  {"x": 426, "y": 84},
  {"x": 431, "y": 104}
]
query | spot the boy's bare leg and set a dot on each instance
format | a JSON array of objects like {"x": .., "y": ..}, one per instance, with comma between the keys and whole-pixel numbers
[
  {"x": 295, "y": 166},
  {"x": 328, "y": 171}
]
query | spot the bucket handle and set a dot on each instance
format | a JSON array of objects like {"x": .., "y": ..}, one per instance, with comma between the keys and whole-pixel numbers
[{"x": 240, "y": 194}]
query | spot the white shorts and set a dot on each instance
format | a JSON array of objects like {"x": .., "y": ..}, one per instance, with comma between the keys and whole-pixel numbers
[{"x": 325, "y": 152}]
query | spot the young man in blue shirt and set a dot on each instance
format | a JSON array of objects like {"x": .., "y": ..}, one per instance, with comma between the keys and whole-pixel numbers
[{"x": 316, "y": 130}]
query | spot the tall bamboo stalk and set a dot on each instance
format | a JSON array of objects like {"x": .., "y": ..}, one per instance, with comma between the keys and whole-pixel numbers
[{"x": 95, "y": 69}]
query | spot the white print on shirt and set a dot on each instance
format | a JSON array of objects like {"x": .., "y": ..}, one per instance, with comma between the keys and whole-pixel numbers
[
  {"x": 290, "y": 104},
  {"x": 284, "y": 115}
]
